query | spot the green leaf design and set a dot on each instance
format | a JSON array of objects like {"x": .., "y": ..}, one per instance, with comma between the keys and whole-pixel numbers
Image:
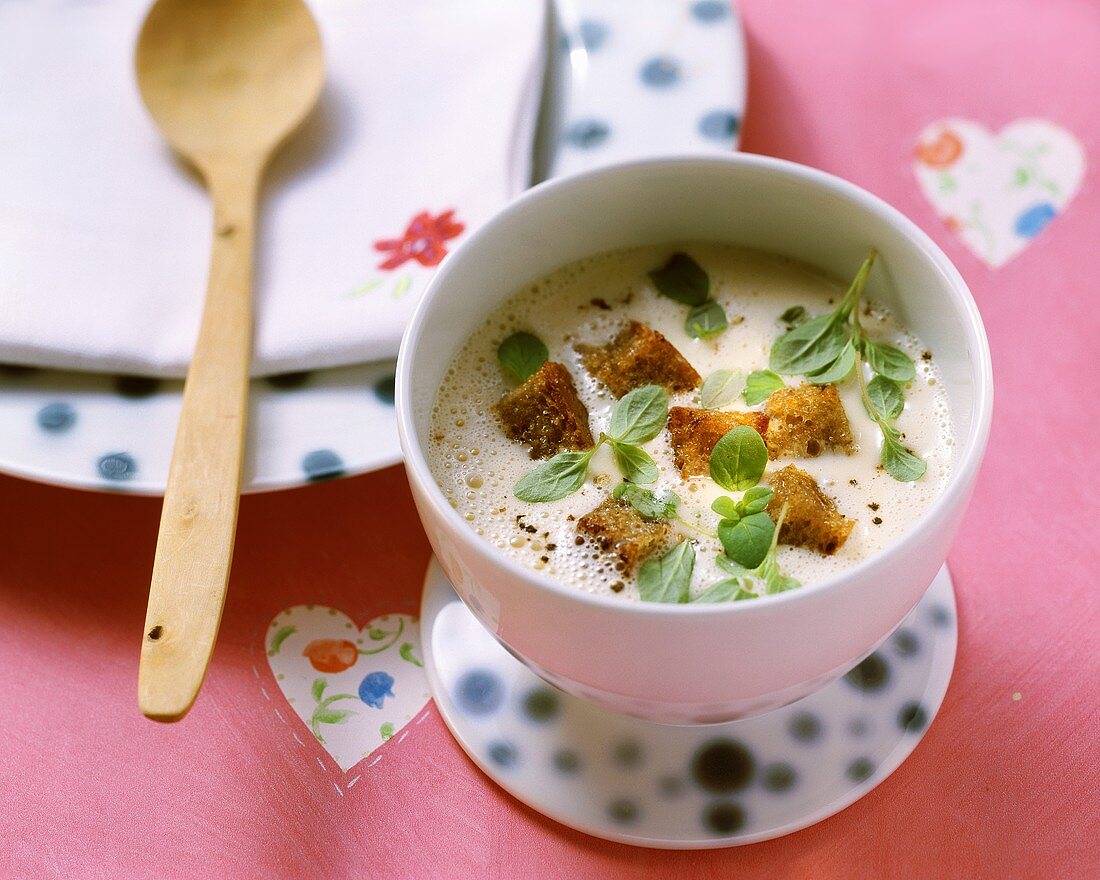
[
  {"x": 720, "y": 389},
  {"x": 886, "y": 398},
  {"x": 809, "y": 347},
  {"x": 283, "y": 633},
  {"x": 747, "y": 540},
  {"x": 375, "y": 634},
  {"x": 682, "y": 279},
  {"x": 898, "y": 461},
  {"x": 640, "y": 415},
  {"x": 406, "y": 652},
  {"x": 760, "y": 385},
  {"x": 560, "y": 476},
  {"x": 386, "y": 730},
  {"x": 893, "y": 363},
  {"x": 647, "y": 502},
  {"x": 668, "y": 579},
  {"x": 402, "y": 286},
  {"x": 382, "y": 634},
  {"x": 738, "y": 459},
  {"x": 635, "y": 463},
  {"x": 838, "y": 369},
  {"x": 318, "y": 689},
  {"x": 521, "y": 354},
  {"x": 706, "y": 320},
  {"x": 332, "y": 716}
]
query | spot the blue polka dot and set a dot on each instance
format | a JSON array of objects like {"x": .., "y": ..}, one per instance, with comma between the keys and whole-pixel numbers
[
  {"x": 1034, "y": 220},
  {"x": 805, "y": 727},
  {"x": 778, "y": 777},
  {"x": 503, "y": 754},
  {"x": 587, "y": 133},
  {"x": 117, "y": 466},
  {"x": 720, "y": 125},
  {"x": 593, "y": 34},
  {"x": 384, "y": 390},
  {"x": 710, "y": 11},
  {"x": 56, "y": 417},
  {"x": 939, "y": 616},
  {"x": 479, "y": 692},
  {"x": 287, "y": 381},
  {"x": 660, "y": 72},
  {"x": 872, "y": 674},
  {"x": 567, "y": 762},
  {"x": 724, "y": 817},
  {"x": 136, "y": 387},
  {"x": 913, "y": 717},
  {"x": 322, "y": 464},
  {"x": 860, "y": 769},
  {"x": 623, "y": 811},
  {"x": 541, "y": 705}
]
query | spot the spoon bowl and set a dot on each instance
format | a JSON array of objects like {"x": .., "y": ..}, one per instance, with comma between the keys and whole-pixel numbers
[{"x": 229, "y": 78}]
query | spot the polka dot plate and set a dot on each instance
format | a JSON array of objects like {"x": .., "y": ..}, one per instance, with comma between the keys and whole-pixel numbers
[
  {"x": 691, "y": 787},
  {"x": 625, "y": 80}
]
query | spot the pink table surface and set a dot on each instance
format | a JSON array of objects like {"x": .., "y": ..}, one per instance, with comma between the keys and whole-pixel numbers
[{"x": 999, "y": 787}]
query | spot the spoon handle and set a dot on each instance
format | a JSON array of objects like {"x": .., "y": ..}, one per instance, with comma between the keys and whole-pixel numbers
[{"x": 199, "y": 517}]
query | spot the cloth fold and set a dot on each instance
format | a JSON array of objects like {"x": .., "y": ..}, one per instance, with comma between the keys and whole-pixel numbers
[{"x": 424, "y": 130}]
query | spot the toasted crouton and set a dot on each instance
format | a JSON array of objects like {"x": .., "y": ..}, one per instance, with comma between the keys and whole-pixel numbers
[
  {"x": 546, "y": 413},
  {"x": 618, "y": 528},
  {"x": 812, "y": 518},
  {"x": 638, "y": 356},
  {"x": 805, "y": 421},
  {"x": 694, "y": 432}
]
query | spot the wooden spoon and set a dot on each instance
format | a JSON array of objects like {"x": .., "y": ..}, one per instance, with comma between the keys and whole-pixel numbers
[{"x": 226, "y": 82}]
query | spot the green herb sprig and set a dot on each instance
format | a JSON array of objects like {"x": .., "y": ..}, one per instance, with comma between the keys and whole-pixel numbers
[
  {"x": 744, "y": 529},
  {"x": 720, "y": 389},
  {"x": 637, "y": 418},
  {"x": 685, "y": 281},
  {"x": 744, "y": 582},
  {"x": 826, "y": 350},
  {"x": 648, "y": 503},
  {"x": 760, "y": 385},
  {"x": 521, "y": 355}
]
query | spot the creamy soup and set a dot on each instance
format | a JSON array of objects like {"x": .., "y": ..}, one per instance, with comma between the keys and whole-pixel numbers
[{"x": 587, "y": 303}]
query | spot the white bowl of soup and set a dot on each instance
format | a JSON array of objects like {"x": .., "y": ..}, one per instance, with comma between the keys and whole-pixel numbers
[{"x": 619, "y": 485}]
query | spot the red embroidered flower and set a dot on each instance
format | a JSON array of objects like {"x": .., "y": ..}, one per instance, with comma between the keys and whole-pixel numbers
[
  {"x": 941, "y": 151},
  {"x": 423, "y": 240}
]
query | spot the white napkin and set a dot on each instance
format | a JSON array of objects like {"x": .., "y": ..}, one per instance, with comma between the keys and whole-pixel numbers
[{"x": 424, "y": 130}]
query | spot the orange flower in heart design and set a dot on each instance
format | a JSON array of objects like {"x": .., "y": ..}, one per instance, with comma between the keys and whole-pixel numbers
[
  {"x": 424, "y": 240},
  {"x": 941, "y": 151}
]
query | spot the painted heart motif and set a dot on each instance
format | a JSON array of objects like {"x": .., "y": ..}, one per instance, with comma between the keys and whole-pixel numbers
[
  {"x": 353, "y": 688},
  {"x": 997, "y": 192}
]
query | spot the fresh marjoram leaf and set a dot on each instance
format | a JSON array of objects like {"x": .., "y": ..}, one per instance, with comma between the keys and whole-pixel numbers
[
  {"x": 838, "y": 369},
  {"x": 755, "y": 500},
  {"x": 809, "y": 347},
  {"x": 668, "y": 579},
  {"x": 900, "y": 463},
  {"x": 748, "y": 540},
  {"x": 640, "y": 415},
  {"x": 726, "y": 507},
  {"x": 560, "y": 476},
  {"x": 720, "y": 388},
  {"x": 738, "y": 460},
  {"x": 521, "y": 354},
  {"x": 793, "y": 315},
  {"x": 893, "y": 363},
  {"x": 723, "y": 591},
  {"x": 886, "y": 397},
  {"x": 761, "y": 385},
  {"x": 634, "y": 462},
  {"x": 647, "y": 502},
  {"x": 706, "y": 320},
  {"x": 683, "y": 280}
]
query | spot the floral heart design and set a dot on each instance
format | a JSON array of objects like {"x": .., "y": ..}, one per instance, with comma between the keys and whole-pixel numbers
[
  {"x": 353, "y": 688},
  {"x": 997, "y": 192}
]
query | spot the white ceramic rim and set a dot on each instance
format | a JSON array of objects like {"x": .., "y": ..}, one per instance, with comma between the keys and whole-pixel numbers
[{"x": 954, "y": 493}]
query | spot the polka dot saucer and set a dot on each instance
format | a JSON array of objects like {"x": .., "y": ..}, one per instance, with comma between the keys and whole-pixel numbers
[
  {"x": 697, "y": 787},
  {"x": 648, "y": 78}
]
